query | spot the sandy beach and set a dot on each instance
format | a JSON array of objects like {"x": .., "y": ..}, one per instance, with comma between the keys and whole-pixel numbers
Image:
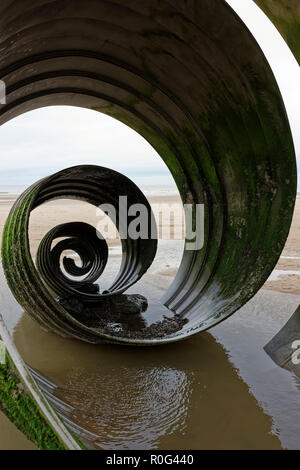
[
  {"x": 215, "y": 390},
  {"x": 285, "y": 278}
]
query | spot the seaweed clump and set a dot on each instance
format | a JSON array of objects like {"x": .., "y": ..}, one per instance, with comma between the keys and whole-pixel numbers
[{"x": 121, "y": 315}]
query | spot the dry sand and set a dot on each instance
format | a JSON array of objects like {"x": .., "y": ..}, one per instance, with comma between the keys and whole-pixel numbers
[
  {"x": 187, "y": 376},
  {"x": 289, "y": 282},
  {"x": 285, "y": 278}
]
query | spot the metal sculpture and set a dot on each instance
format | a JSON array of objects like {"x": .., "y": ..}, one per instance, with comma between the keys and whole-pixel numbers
[
  {"x": 191, "y": 79},
  {"x": 34, "y": 287},
  {"x": 24, "y": 404}
]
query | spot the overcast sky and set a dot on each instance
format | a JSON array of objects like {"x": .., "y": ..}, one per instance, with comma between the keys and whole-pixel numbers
[
  {"x": 49, "y": 139},
  {"x": 46, "y": 140},
  {"x": 281, "y": 59}
]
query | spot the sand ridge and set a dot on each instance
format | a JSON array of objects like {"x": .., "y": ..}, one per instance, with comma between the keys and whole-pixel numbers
[{"x": 61, "y": 211}]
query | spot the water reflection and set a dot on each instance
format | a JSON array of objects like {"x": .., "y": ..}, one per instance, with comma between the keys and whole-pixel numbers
[
  {"x": 129, "y": 407},
  {"x": 181, "y": 396}
]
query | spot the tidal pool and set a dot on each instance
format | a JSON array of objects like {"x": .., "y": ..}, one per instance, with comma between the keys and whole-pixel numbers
[{"x": 217, "y": 390}]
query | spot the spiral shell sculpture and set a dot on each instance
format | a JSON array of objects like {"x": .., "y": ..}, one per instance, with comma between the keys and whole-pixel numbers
[
  {"x": 219, "y": 124},
  {"x": 191, "y": 79},
  {"x": 37, "y": 288}
]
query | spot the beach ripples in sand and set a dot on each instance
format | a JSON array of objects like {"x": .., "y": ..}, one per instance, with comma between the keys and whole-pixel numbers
[{"x": 195, "y": 395}]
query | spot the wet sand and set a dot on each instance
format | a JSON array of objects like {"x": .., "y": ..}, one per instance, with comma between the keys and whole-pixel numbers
[
  {"x": 11, "y": 438},
  {"x": 218, "y": 390},
  {"x": 289, "y": 282},
  {"x": 49, "y": 215}
]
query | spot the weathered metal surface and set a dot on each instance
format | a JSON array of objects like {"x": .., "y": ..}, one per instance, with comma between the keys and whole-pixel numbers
[
  {"x": 37, "y": 288},
  {"x": 191, "y": 79},
  {"x": 285, "y": 14},
  {"x": 284, "y": 348},
  {"x": 24, "y": 404}
]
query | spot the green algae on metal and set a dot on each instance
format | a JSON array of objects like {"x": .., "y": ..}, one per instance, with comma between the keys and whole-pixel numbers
[
  {"x": 285, "y": 14},
  {"x": 23, "y": 403},
  {"x": 204, "y": 97}
]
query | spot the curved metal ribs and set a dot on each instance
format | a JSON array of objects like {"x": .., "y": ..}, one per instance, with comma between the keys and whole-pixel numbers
[
  {"x": 192, "y": 80},
  {"x": 97, "y": 186},
  {"x": 23, "y": 402}
]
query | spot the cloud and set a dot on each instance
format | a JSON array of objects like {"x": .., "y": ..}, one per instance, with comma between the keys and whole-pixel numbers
[
  {"x": 38, "y": 143},
  {"x": 50, "y": 136},
  {"x": 46, "y": 140}
]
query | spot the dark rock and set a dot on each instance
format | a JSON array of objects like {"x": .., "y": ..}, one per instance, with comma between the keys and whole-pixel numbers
[
  {"x": 110, "y": 315},
  {"x": 71, "y": 304},
  {"x": 131, "y": 304}
]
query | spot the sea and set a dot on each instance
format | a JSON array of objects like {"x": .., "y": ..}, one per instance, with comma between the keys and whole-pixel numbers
[{"x": 148, "y": 190}]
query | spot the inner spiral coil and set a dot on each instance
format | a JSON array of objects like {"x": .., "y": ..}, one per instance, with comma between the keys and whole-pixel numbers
[
  {"x": 92, "y": 250},
  {"x": 36, "y": 287}
]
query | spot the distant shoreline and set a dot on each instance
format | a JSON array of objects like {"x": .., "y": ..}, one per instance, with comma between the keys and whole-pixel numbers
[
  {"x": 149, "y": 190},
  {"x": 285, "y": 278}
]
